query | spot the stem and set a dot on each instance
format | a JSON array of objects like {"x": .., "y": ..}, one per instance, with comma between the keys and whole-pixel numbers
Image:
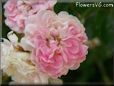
[{"x": 103, "y": 73}]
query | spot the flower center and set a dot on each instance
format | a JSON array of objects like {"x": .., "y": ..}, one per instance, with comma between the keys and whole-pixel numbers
[{"x": 58, "y": 39}]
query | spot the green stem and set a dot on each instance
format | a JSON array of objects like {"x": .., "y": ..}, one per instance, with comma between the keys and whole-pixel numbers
[{"x": 103, "y": 73}]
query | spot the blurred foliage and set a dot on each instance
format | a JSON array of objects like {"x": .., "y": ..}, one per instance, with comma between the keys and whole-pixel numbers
[{"x": 99, "y": 23}]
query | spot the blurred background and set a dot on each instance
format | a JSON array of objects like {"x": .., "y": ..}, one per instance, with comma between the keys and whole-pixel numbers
[{"x": 99, "y": 24}]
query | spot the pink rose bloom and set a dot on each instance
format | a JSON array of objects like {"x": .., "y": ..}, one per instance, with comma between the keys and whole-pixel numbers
[
  {"x": 57, "y": 41},
  {"x": 17, "y": 11}
]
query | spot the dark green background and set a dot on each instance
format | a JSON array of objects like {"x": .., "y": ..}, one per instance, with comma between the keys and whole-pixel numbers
[{"x": 99, "y": 23}]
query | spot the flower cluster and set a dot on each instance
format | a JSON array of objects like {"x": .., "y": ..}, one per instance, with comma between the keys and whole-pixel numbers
[
  {"x": 52, "y": 43},
  {"x": 17, "y": 11}
]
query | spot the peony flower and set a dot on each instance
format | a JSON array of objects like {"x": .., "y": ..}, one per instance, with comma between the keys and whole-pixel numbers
[
  {"x": 17, "y": 64},
  {"x": 57, "y": 42},
  {"x": 17, "y": 11}
]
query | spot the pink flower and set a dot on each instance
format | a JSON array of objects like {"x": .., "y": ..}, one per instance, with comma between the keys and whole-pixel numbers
[
  {"x": 17, "y": 11},
  {"x": 58, "y": 42}
]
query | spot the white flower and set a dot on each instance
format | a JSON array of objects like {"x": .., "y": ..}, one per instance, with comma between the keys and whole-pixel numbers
[{"x": 17, "y": 63}]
